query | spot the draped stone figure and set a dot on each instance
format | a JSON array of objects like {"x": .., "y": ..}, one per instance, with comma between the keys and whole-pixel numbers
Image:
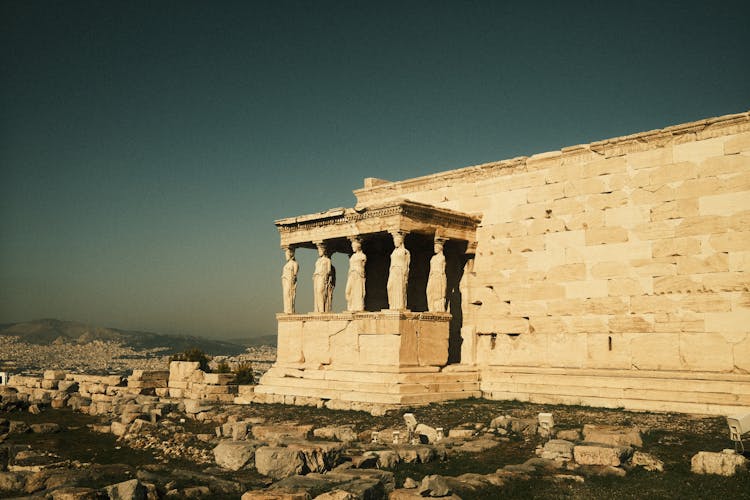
[
  {"x": 436, "y": 281},
  {"x": 289, "y": 281},
  {"x": 355, "y": 283},
  {"x": 324, "y": 279},
  {"x": 398, "y": 274}
]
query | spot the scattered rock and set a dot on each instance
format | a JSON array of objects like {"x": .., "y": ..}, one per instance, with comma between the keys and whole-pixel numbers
[
  {"x": 34, "y": 409},
  {"x": 127, "y": 490},
  {"x": 724, "y": 463},
  {"x": 409, "y": 483},
  {"x": 45, "y": 428}
]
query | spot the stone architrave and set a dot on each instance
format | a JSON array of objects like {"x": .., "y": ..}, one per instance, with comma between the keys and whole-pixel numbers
[
  {"x": 398, "y": 274},
  {"x": 437, "y": 282},
  {"x": 324, "y": 279},
  {"x": 289, "y": 280},
  {"x": 355, "y": 283}
]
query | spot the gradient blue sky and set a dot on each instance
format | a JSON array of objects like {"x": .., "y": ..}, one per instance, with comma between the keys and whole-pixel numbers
[{"x": 146, "y": 147}]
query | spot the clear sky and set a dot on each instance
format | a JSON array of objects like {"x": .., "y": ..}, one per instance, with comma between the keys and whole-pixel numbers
[{"x": 146, "y": 147}]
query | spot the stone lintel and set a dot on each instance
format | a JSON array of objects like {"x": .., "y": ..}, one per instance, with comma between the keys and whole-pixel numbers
[
  {"x": 399, "y": 215},
  {"x": 350, "y": 316}
]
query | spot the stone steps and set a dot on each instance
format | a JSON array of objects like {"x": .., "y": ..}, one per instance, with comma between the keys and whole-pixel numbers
[{"x": 710, "y": 393}]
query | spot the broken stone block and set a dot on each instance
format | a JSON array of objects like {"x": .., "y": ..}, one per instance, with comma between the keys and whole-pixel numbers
[
  {"x": 274, "y": 495},
  {"x": 647, "y": 461},
  {"x": 276, "y": 432},
  {"x": 318, "y": 456},
  {"x": 234, "y": 455},
  {"x": 195, "y": 405},
  {"x": 387, "y": 459},
  {"x": 341, "y": 433},
  {"x": 568, "y": 434},
  {"x": 426, "y": 433},
  {"x": 277, "y": 462},
  {"x": 593, "y": 454},
  {"x": 557, "y": 449},
  {"x": 434, "y": 486},
  {"x": 501, "y": 422},
  {"x": 612, "y": 435},
  {"x": 524, "y": 426},
  {"x": 54, "y": 375},
  {"x": 461, "y": 433},
  {"x": 415, "y": 453},
  {"x": 724, "y": 463}
]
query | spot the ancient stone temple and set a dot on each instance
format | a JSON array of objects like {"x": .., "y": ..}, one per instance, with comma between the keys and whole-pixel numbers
[{"x": 612, "y": 274}]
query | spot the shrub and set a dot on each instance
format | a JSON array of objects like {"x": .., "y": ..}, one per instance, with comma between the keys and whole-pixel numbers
[{"x": 244, "y": 374}]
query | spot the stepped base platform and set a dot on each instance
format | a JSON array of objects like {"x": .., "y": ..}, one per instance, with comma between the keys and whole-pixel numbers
[
  {"x": 640, "y": 390},
  {"x": 370, "y": 384}
]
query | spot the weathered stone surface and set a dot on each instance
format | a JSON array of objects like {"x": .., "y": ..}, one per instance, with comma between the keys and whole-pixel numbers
[
  {"x": 592, "y": 454},
  {"x": 234, "y": 455},
  {"x": 75, "y": 493},
  {"x": 127, "y": 490},
  {"x": 45, "y": 428},
  {"x": 270, "y": 433},
  {"x": 647, "y": 461},
  {"x": 724, "y": 463},
  {"x": 612, "y": 435},
  {"x": 277, "y": 462},
  {"x": 12, "y": 482},
  {"x": 275, "y": 495}
]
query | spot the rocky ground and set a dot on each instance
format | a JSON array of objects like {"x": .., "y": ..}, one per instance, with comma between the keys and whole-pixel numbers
[{"x": 154, "y": 448}]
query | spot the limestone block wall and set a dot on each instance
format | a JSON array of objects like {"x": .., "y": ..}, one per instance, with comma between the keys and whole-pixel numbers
[{"x": 631, "y": 253}]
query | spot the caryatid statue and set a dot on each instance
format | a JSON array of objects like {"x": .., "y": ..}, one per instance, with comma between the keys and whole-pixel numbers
[
  {"x": 398, "y": 274},
  {"x": 355, "y": 282},
  {"x": 436, "y": 281},
  {"x": 324, "y": 279},
  {"x": 289, "y": 280}
]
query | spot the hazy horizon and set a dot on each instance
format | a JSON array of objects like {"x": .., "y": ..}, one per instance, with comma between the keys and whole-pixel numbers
[{"x": 147, "y": 147}]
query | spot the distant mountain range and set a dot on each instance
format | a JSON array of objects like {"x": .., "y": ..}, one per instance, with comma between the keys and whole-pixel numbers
[{"x": 48, "y": 331}]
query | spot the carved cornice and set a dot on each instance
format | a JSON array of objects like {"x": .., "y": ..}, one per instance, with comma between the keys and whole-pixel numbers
[{"x": 420, "y": 212}]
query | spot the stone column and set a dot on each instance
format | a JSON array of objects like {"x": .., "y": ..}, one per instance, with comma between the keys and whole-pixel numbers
[
  {"x": 324, "y": 280},
  {"x": 398, "y": 273}
]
